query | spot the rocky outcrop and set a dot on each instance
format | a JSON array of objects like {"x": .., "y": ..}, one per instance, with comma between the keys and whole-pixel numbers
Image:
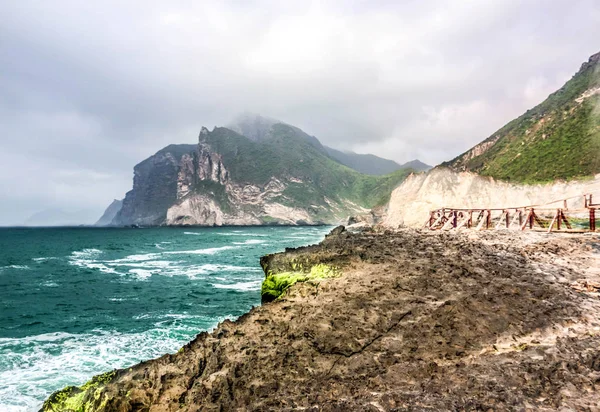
[
  {"x": 229, "y": 179},
  {"x": 155, "y": 188},
  {"x": 110, "y": 213},
  {"x": 419, "y": 194},
  {"x": 412, "y": 321}
]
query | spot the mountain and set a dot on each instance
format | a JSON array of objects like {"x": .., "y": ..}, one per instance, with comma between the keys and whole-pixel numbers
[
  {"x": 416, "y": 165},
  {"x": 279, "y": 176},
  {"x": 110, "y": 213},
  {"x": 59, "y": 217},
  {"x": 558, "y": 139},
  {"x": 258, "y": 128},
  {"x": 371, "y": 164}
]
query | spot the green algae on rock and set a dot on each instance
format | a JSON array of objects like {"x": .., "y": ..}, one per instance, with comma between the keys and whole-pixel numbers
[
  {"x": 276, "y": 284},
  {"x": 85, "y": 398}
]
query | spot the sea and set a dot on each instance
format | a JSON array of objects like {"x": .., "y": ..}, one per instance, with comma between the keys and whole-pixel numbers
[{"x": 76, "y": 302}]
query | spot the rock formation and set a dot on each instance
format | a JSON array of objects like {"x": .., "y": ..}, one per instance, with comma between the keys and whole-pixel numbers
[
  {"x": 413, "y": 321},
  {"x": 110, "y": 213},
  {"x": 280, "y": 176},
  {"x": 411, "y": 202}
]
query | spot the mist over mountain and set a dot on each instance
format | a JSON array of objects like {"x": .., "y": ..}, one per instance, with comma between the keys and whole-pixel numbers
[
  {"x": 60, "y": 217},
  {"x": 279, "y": 175}
]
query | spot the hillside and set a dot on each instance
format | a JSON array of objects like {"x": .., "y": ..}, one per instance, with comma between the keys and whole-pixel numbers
[
  {"x": 259, "y": 128},
  {"x": 371, "y": 164},
  {"x": 558, "y": 139},
  {"x": 280, "y": 176},
  {"x": 411, "y": 202}
]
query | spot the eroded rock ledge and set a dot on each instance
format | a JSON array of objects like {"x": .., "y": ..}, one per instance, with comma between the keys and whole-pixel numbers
[{"x": 416, "y": 321}]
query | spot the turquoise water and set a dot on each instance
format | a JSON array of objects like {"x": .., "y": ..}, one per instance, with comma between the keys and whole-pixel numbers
[{"x": 75, "y": 302}]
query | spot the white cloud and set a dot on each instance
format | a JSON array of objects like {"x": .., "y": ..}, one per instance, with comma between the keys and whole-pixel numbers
[{"x": 98, "y": 86}]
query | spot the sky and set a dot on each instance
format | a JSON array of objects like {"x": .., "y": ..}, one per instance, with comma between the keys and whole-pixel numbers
[{"x": 89, "y": 89}]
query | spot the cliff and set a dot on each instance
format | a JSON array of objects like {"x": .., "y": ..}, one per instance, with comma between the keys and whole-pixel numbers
[
  {"x": 411, "y": 321},
  {"x": 280, "y": 176},
  {"x": 110, "y": 213},
  {"x": 411, "y": 202}
]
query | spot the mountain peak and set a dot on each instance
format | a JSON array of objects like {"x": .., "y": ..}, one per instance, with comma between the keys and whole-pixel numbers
[{"x": 254, "y": 126}]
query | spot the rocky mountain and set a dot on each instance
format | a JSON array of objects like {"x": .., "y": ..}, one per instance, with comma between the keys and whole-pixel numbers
[
  {"x": 279, "y": 176},
  {"x": 371, "y": 164},
  {"x": 110, "y": 213},
  {"x": 558, "y": 139},
  {"x": 258, "y": 128}
]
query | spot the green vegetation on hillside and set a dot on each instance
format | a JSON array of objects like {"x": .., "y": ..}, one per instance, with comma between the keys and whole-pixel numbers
[
  {"x": 288, "y": 154},
  {"x": 558, "y": 139}
]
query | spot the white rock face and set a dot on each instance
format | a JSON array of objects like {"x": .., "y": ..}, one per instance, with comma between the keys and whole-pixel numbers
[{"x": 419, "y": 194}]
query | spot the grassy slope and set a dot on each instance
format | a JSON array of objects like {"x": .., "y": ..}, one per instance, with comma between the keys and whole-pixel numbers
[
  {"x": 558, "y": 139},
  {"x": 286, "y": 153}
]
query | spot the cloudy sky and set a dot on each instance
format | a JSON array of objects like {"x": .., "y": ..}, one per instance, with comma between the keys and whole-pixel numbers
[{"x": 90, "y": 88}]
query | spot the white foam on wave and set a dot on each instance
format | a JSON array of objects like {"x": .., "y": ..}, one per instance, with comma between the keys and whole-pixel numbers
[
  {"x": 43, "y": 259},
  {"x": 18, "y": 267},
  {"x": 86, "y": 253},
  {"x": 240, "y": 286},
  {"x": 242, "y": 234},
  {"x": 143, "y": 274},
  {"x": 208, "y": 251},
  {"x": 31, "y": 368},
  {"x": 250, "y": 242},
  {"x": 88, "y": 259}
]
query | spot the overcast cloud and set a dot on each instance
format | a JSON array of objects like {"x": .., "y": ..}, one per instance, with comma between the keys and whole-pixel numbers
[{"x": 89, "y": 89}]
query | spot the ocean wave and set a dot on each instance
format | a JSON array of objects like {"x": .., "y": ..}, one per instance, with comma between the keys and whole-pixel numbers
[
  {"x": 250, "y": 242},
  {"x": 31, "y": 368},
  {"x": 242, "y": 234},
  {"x": 86, "y": 253},
  {"x": 43, "y": 259},
  {"x": 143, "y": 274},
  {"x": 240, "y": 286},
  {"x": 208, "y": 251},
  {"x": 18, "y": 267}
]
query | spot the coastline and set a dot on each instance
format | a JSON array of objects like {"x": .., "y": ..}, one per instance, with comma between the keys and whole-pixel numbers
[{"x": 416, "y": 320}]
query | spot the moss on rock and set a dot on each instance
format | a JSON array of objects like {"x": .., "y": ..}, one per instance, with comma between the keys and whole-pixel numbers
[
  {"x": 76, "y": 399},
  {"x": 275, "y": 284}
]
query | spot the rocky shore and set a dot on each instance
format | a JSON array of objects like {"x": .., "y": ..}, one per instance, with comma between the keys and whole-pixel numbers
[{"x": 408, "y": 320}]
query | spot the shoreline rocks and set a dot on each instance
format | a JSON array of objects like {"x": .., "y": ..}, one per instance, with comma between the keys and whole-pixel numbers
[{"x": 414, "y": 320}]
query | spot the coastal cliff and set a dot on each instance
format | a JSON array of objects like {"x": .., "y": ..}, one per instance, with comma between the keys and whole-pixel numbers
[
  {"x": 411, "y": 202},
  {"x": 409, "y": 320},
  {"x": 280, "y": 176}
]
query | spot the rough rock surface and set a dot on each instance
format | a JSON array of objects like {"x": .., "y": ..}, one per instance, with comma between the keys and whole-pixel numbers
[
  {"x": 418, "y": 321},
  {"x": 411, "y": 202}
]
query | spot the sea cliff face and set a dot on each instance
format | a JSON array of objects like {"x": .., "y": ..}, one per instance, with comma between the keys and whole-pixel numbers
[
  {"x": 411, "y": 202},
  {"x": 154, "y": 188},
  {"x": 229, "y": 179},
  {"x": 411, "y": 320}
]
